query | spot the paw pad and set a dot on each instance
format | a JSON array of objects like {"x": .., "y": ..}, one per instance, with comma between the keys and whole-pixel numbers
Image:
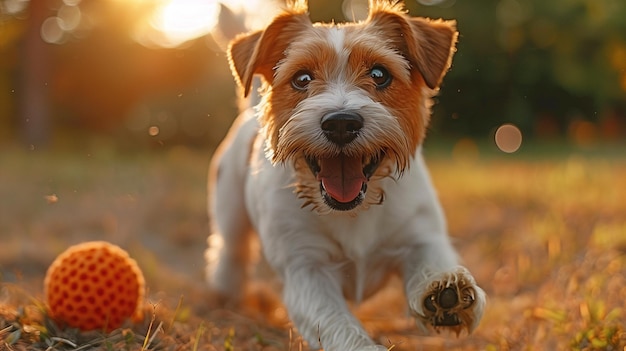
[
  {"x": 442, "y": 303},
  {"x": 452, "y": 301}
]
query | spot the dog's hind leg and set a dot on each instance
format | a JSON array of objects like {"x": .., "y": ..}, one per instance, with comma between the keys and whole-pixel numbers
[{"x": 229, "y": 253}]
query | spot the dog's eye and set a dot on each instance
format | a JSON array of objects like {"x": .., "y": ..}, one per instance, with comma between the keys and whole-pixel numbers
[
  {"x": 301, "y": 80},
  {"x": 380, "y": 76}
]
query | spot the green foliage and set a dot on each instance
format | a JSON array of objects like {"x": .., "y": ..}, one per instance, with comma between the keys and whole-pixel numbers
[
  {"x": 533, "y": 63},
  {"x": 229, "y": 340},
  {"x": 599, "y": 337},
  {"x": 544, "y": 66}
]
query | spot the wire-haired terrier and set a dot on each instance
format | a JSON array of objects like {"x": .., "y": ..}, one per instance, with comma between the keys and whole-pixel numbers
[{"x": 328, "y": 171}]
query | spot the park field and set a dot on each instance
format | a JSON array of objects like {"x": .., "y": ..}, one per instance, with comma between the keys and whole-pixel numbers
[{"x": 543, "y": 234}]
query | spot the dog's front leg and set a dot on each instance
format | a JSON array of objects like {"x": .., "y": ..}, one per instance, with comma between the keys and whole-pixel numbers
[
  {"x": 440, "y": 292},
  {"x": 313, "y": 297}
]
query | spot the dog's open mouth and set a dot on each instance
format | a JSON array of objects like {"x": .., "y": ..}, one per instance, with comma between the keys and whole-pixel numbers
[{"x": 343, "y": 179}]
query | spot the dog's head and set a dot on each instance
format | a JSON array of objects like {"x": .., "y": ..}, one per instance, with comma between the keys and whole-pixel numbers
[{"x": 347, "y": 104}]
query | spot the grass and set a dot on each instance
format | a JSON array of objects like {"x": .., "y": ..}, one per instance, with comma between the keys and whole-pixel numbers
[{"x": 545, "y": 237}]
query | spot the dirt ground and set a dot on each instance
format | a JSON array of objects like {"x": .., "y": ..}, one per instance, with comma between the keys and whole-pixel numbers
[{"x": 545, "y": 237}]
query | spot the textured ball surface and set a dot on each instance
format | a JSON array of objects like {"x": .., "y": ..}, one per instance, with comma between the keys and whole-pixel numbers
[{"x": 94, "y": 285}]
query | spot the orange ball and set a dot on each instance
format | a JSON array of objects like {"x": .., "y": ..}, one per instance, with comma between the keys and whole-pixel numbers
[{"x": 94, "y": 285}]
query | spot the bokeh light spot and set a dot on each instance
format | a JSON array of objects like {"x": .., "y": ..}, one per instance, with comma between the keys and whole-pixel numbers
[
  {"x": 508, "y": 138},
  {"x": 153, "y": 131},
  {"x": 13, "y": 6},
  {"x": 51, "y": 31},
  {"x": 70, "y": 17},
  {"x": 355, "y": 10}
]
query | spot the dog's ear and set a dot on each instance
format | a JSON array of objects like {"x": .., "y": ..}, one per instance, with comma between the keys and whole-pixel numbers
[
  {"x": 259, "y": 52},
  {"x": 434, "y": 47},
  {"x": 240, "y": 53},
  {"x": 427, "y": 44}
]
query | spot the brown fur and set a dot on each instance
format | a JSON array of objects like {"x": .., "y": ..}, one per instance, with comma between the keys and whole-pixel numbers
[{"x": 426, "y": 45}]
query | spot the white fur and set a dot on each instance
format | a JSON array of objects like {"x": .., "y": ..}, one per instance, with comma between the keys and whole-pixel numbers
[
  {"x": 336, "y": 37},
  {"x": 322, "y": 257}
]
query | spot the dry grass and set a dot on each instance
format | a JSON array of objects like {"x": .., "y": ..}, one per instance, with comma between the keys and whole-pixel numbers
[{"x": 545, "y": 238}]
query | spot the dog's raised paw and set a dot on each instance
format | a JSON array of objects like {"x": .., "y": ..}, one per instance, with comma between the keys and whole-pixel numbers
[
  {"x": 450, "y": 300},
  {"x": 444, "y": 305}
]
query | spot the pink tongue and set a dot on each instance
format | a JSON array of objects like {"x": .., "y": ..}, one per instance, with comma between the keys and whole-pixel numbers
[{"x": 342, "y": 177}]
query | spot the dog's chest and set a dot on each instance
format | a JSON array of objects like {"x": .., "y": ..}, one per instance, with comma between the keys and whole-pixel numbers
[
  {"x": 364, "y": 276},
  {"x": 365, "y": 261},
  {"x": 358, "y": 236}
]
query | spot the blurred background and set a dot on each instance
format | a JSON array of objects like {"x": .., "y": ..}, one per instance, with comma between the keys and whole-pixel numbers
[
  {"x": 145, "y": 73},
  {"x": 110, "y": 109}
]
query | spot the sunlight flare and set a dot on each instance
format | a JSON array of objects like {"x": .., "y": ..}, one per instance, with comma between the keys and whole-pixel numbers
[
  {"x": 175, "y": 22},
  {"x": 183, "y": 20}
]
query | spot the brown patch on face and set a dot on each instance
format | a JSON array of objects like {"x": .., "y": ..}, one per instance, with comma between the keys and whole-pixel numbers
[
  {"x": 310, "y": 54},
  {"x": 415, "y": 51},
  {"x": 405, "y": 95},
  {"x": 258, "y": 52},
  {"x": 427, "y": 44}
]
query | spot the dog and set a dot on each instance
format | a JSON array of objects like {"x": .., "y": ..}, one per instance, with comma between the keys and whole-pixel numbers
[{"x": 328, "y": 172}]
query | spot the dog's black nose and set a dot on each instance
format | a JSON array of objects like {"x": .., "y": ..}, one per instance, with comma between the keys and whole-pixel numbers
[{"x": 341, "y": 127}]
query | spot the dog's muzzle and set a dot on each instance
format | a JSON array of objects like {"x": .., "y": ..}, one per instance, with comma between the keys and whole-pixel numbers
[{"x": 343, "y": 178}]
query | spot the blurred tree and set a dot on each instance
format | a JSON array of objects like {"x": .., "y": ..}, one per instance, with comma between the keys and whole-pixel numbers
[
  {"x": 95, "y": 72},
  {"x": 545, "y": 66},
  {"x": 541, "y": 65},
  {"x": 34, "y": 79},
  {"x": 11, "y": 30}
]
